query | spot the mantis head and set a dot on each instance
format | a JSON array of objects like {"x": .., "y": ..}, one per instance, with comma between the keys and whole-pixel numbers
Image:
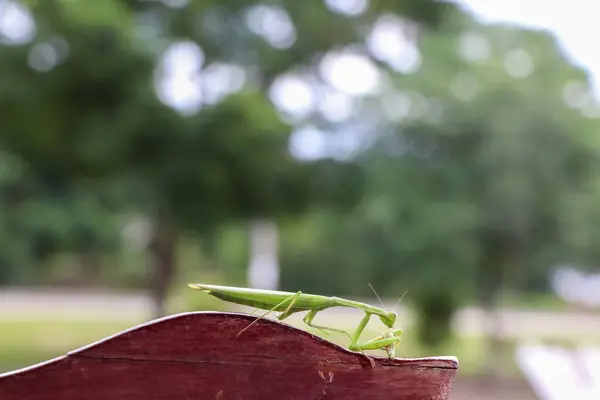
[{"x": 388, "y": 319}]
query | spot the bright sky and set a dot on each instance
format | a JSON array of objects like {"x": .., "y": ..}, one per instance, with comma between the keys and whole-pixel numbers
[{"x": 574, "y": 22}]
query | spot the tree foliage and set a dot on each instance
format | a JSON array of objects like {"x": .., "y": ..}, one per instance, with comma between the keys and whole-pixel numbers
[
  {"x": 477, "y": 170},
  {"x": 480, "y": 157},
  {"x": 79, "y": 104}
]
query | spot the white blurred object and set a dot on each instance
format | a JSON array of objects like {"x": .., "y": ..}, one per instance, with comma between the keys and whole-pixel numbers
[
  {"x": 263, "y": 271},
  {"x": 577, "y": 287},
  {"x": 138, "y": 233},
  {"x": 555, "y": 373},
  {"x": 590, "y": 357}
]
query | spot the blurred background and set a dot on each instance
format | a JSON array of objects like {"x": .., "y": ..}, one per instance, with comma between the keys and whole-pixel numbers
[{"x": 449, "y": 150}]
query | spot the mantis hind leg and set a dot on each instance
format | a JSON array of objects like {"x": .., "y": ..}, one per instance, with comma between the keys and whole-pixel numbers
[
  {"x": 288, "y": 311},
  {"x": 308, "y": 320}
]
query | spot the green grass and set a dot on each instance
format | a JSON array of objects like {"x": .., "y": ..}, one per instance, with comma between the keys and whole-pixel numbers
[{"x": 24, "y": 343}]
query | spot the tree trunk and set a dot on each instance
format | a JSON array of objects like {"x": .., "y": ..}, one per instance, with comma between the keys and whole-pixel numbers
[
  {"x": 91, "y": 266},
  {"x": 210, "y": 254},
  {"x": 492, "y": 272},
  {"x": 164, "y": 264},
  {"x": 495, "y": 358},
  {"x": 263, "y": 271}
]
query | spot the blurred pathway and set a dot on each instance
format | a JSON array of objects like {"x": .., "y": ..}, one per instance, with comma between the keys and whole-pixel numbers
[
  {"x": 16, "y": 304},
  {"x": 26, "y": 304}
]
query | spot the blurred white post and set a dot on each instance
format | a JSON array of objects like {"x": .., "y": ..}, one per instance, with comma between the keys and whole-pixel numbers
[{"x": 263, "y": 271}]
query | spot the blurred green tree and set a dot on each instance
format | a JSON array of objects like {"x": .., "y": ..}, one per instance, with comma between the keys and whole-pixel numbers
[
  {"x": 78, "y": 104},
  {"x": 496, "y": 124},
  {"x": 481, "y": 179}
]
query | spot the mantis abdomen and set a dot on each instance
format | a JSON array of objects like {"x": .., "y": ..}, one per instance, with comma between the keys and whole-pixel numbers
[{"x": 267, "y": 299}]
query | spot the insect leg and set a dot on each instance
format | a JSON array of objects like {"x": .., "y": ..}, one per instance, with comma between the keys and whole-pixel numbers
[
  {"x": 377, "y": 343},
  {"x": 289, "y": 310},
  {"x": 383, "y": 342},
  {"x": 308, "y": 320},
  {"x": 292, "y": 300},
  {"x": 359, "y": 330}
]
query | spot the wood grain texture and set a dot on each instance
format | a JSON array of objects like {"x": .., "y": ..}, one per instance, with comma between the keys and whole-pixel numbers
[{"x": 198, "y": 356}]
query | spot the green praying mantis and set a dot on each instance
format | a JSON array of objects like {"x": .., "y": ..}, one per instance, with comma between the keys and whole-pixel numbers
[{"x": 288, "y": 303}]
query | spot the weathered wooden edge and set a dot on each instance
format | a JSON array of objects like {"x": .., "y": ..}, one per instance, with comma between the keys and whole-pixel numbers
[{"x": 441, "y": 362}]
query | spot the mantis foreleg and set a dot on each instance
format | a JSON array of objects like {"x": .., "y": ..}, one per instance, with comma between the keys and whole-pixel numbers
[
  {"x": 359, "y": 330},
  {"x": 381, "y": 342},
  {"x": 376, "y": 344}
]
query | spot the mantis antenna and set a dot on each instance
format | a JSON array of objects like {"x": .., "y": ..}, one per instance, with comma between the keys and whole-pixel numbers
[
  {"x": 376, "y": 295},
  {"x": 381, "y": 301},
  {"x": 400, "y": 299}
]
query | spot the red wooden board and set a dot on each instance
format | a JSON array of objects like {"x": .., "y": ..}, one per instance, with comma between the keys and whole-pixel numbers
[{"x": 198, "y": 356}]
